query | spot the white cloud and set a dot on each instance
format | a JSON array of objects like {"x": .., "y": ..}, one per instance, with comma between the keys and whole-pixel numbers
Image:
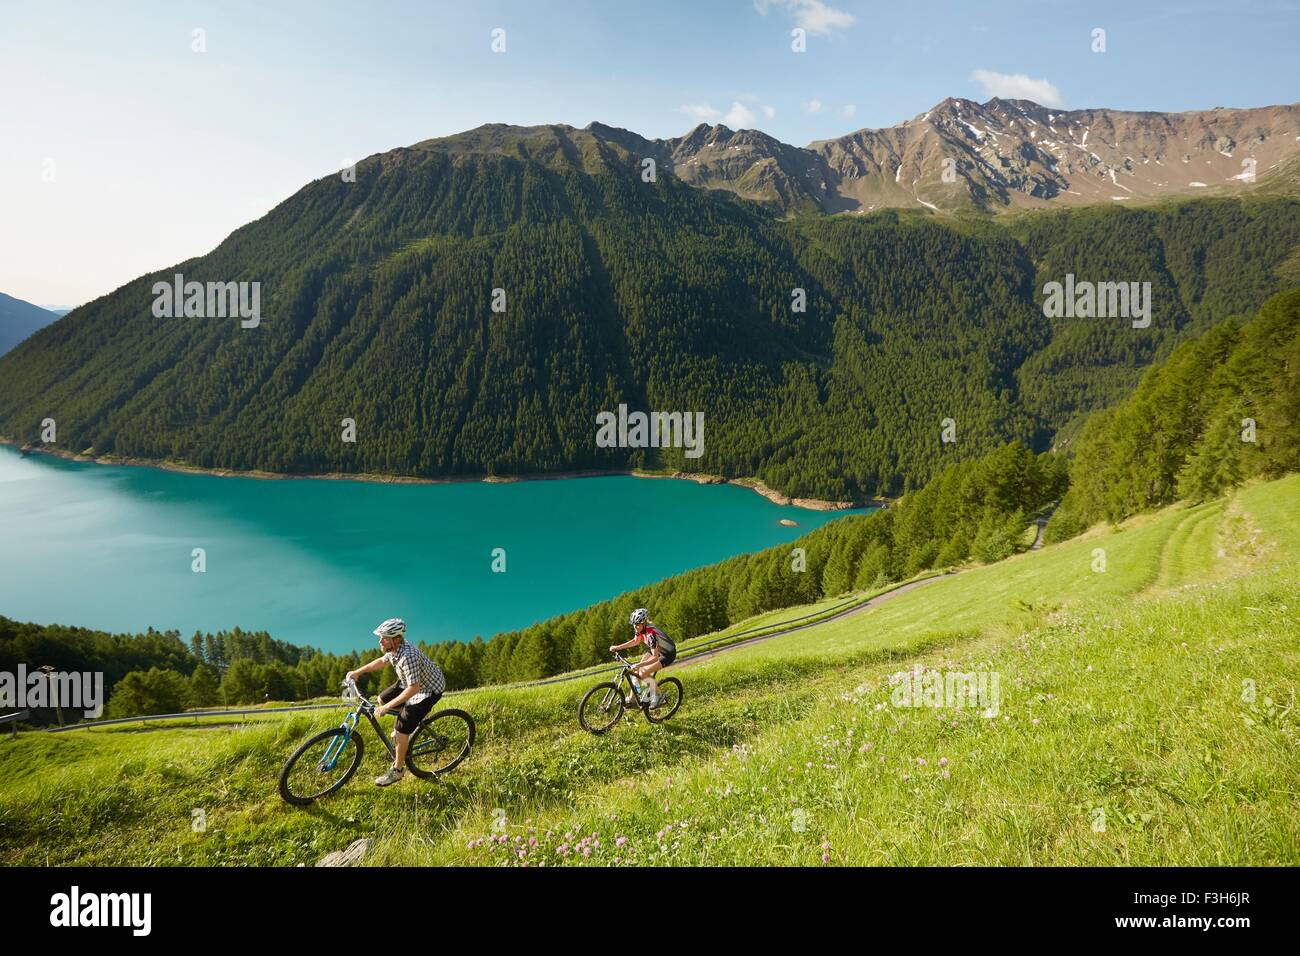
[
  {"x": 1018, "y": 86},
  {"x": 813, "y": 106},
  {"x": 768, "y": 111},
  {"x": 739, "y": 116},
  {"x": 815, "y": 16},
  {"x": 705, "y": 114},
  {"x": 849, "y": 111}
]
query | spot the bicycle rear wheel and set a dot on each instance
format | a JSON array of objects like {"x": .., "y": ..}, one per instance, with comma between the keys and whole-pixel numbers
[
  {"x": 440, "y": 743},
  {"x": 670, "y": 690},
  {"x": 320, "y": 766},
  {"x": 601, "y": 708}
]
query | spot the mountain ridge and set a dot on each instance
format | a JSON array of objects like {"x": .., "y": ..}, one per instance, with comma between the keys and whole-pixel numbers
[
  {"x": 951, "y": 158},
  {"x": 20, "y": 319}
]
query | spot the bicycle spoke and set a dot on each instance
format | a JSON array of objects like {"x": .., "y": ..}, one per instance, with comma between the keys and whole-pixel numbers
[
  {"x": 440, "y": 743},
  {"x": 320, "y": 766}
]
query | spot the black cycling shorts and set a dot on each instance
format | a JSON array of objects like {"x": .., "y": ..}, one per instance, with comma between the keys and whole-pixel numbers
[
  {"x": 666, "y": 656},
  {"x": 409, "y": 717}
]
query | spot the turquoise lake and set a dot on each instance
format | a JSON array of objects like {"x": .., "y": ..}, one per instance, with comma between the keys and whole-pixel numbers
[{"x": 322, "y": 562}]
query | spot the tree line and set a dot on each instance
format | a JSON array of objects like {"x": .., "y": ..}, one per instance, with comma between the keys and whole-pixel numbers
[{"x": 1224, "y": 408}]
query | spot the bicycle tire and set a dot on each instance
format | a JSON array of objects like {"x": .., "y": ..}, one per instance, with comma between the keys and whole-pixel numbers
[
  {"x": 616, "y": 707},
  {"x": 426, "y": 728},
  {"x": 299, "y": 800}
]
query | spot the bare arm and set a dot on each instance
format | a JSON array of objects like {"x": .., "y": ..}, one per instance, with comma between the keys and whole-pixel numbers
[{"x": 376, "y": 665}]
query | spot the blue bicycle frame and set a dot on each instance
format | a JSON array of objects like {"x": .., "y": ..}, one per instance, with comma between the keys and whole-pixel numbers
[{"x": 367, "y": 707}]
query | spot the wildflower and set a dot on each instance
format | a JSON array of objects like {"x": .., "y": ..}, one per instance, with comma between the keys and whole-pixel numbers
[
  {"x": 943, "y": 761},
  {"x": 620, "y": 841}
]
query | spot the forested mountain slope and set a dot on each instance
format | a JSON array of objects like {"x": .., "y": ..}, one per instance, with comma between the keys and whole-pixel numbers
[{"x": 376, "y": 305}]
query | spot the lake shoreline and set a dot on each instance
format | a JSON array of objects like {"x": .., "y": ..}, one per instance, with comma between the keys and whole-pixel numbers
[{"x": 776, "y": 497}]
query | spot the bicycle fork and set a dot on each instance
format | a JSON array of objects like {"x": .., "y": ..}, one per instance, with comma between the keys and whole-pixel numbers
[{"x": 332, "y": 752}]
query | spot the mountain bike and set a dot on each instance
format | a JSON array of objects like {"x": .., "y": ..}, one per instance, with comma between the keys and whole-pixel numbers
[
  {"x": 602, "y": 706},
  {"x": 325, "y": 762}
]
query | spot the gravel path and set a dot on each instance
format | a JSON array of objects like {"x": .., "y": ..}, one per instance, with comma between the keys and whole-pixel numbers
[{"x": 874, "y": 602}]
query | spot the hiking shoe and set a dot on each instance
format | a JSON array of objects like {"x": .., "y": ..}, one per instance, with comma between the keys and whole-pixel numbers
[{"x": 393, "y": 776}]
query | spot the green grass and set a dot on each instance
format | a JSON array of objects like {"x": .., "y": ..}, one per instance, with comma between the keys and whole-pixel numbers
[
  {"x": 1123, "y": 696},
  {"x": 1131, "y": 719}
]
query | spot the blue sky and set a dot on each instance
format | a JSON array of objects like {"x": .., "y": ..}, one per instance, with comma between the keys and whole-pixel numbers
[{"x": 122, "y": 150}]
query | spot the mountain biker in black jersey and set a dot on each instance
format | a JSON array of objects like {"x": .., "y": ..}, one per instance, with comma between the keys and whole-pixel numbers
[{"x": 660, "y": 652}]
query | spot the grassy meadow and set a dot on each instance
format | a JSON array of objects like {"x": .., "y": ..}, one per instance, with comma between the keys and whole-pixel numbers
[{"x": 1146, "y": 715}]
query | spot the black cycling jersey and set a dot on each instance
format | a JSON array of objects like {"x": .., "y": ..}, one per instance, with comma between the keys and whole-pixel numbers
[{"x": 653, "y": 637}]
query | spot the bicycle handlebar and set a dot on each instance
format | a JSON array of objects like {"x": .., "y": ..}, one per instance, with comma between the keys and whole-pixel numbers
[{"x": 356, "y": 690}]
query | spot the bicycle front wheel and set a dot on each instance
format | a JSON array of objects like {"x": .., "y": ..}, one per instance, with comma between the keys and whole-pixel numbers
[
  {"x": 320, "y": 766},
  {"x": 440, "y": 743},
  {"x": 601, "y": 708}
]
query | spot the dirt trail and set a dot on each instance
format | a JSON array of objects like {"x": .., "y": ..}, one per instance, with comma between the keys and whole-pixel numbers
[{"x": 875, "y": 601}]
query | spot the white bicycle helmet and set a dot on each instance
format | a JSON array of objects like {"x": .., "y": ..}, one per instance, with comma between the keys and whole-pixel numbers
[
  {"x": 393, "y": 627},
  {"x": 639, "y": 616}
]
